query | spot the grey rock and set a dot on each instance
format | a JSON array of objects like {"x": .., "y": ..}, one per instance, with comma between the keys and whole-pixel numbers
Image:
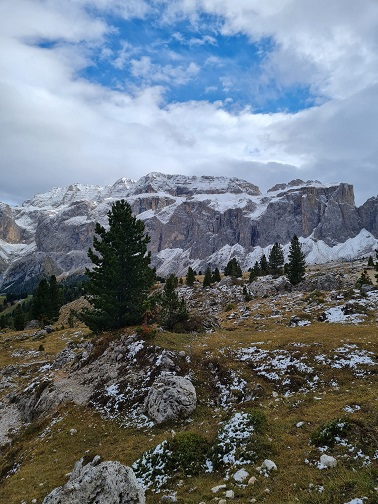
[
  {"x": 39, "y": 399},
  {"x": 367, "y": 288},
  {"x": 33, "y": 324},
  {"x": 328, "y": 461},
  {"x": 241, "y": 475},
  {"x": 269, "y": 465},
  {"x": 269, "y": 286},
  {"x": 171, "y": 398},
  {"x": 326, "y": 282},
  {"x": 105, "y": 482}
]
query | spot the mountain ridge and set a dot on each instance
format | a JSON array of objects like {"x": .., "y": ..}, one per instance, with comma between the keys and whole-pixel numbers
[{"x": 192, "y": 221}]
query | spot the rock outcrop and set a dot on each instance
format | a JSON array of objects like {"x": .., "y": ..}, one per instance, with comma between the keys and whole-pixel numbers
[
  {"x": 192, "y": 221},
  {"x": 171, "y": 398},
  {"x": 105, "y": 482}
]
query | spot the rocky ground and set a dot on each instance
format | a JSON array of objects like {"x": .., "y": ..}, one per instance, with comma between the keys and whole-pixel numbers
[{"x": 274, "y": 401}]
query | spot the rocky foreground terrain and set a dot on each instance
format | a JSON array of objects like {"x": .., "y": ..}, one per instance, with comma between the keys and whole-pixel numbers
[{"x": 274, "y": 401}]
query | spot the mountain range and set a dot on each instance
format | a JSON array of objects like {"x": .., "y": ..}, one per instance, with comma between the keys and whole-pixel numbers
[{"x": 192, "y": 221}]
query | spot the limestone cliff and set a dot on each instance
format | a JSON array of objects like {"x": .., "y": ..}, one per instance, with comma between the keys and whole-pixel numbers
[{"x": 196, "y": 221}]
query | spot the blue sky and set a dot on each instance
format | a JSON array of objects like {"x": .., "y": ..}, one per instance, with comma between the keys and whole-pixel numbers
[
  {"x": 193, "y": 63},
  {"x": 95, "y": 90}
]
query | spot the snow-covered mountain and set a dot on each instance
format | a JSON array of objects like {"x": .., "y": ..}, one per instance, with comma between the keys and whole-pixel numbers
[{"x": 192, "y": 221}]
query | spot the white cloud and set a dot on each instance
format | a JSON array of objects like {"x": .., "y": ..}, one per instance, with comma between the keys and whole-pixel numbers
[
  {"x": 154, "y": 73},
  {"x": 56, "y": 128}
]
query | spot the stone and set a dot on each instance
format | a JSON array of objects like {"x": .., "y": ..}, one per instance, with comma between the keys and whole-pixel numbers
[
  {"x": 170, "y": 398},
  {"x": 252, "y": 481},
  {"x": 105, "y": 482},
  {"x": 269, "y": 465},
  {"x": 230, "y": 494},
  {"x": 218, "y": 487},
  {"x": 241, "y": 475},
  {"x": 328, "y": 461}
]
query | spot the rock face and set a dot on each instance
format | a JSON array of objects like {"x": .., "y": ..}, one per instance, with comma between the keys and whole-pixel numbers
[
  {"x": 192, "y": 221},
  {"x": 99, "y": 482},
  {"x": 171, "y": 398}
]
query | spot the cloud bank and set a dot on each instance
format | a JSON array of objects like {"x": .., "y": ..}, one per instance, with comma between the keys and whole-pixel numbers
[{"x": 61, "y": 122}]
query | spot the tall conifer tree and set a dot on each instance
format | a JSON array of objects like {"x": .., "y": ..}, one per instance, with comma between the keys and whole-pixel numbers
[
  {"x": 207, "y": 278},
  {"x": 297, "y": 264},
  {"x": 190, "y": 277},
  {"x": 121, "y": 276},
  {"x": 276, "y": 259}
]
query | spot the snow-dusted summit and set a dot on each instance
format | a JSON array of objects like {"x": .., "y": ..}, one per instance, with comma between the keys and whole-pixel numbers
[{"x": 192, "y": 221}]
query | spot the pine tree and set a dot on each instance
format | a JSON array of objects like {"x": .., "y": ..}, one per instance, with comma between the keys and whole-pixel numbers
[
  {"x": 376, "y": 264},
  {"x": 172, "y": 309},
  {"x": 363, "y": 280},
  {"x": 264, "y": 265},
  {"x": 255, "y": 272},
  {"x": 233, "y": 268},
  {"x": 297, "y": 264},
  {"x": 56, "y": 298},
  {"x": 190, "y": 277},
  {"x": 216, "y": 276},
  {"x": 121, "y": 276},
  {"x": 207, "y": 278},
  {"x": 41, "y": 308},
  {"x": 370, "y": 262},
  {"x": 19, "y": 318},
  {"x": 276, "y": 259}
]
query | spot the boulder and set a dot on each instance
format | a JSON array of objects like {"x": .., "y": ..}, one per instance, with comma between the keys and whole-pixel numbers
[
  {"x": 105, "y": 482},
  {"x": 269, "y": 465},
  {"x": 170, "y": 398},
  {"x": 241, "y": 475},
  {"x": 328, "y": 461},
  {"x": 269, "y": 286}
]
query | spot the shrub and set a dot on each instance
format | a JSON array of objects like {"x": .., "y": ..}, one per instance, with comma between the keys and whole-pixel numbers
[
  {"x": 327, "y": 434},
  {"x": 189, "y": 452},
  {"x": 145, "y": 331}
]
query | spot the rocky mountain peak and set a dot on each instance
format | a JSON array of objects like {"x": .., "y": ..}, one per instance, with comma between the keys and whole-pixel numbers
[
  {"x": 196, "y": 221},
  {"x": 294, "y": 183},
  {"x": 181, "y": 185}
]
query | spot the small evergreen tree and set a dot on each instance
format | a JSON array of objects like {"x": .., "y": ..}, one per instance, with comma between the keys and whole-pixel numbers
[
  {"x": 370, "y": 262},
  {"x": 255, "y": 272},
  {"x": 276, "y": 259},
  {"x": 172, "y": 309},
  {"x": 297, "y": 263},
  {"x": 56, "y": 298},
  {"x": 216, "y": 275},
  {"x": 376, "y": 264},
  {"x": 19, "y": 318},
  {"x": 233, "y": 268},
  {"x": 190, "y": 277},
  {"x": 363, "y": 280},
  {"x": 41, "y": 308},
  {"x": 121, "y": 277},
  {"x": 207, "y": 278},
  {"x": 264, "y": 268}
]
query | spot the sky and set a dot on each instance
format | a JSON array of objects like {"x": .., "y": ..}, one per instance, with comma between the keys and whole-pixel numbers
[{"x": 267, "y": 91}]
